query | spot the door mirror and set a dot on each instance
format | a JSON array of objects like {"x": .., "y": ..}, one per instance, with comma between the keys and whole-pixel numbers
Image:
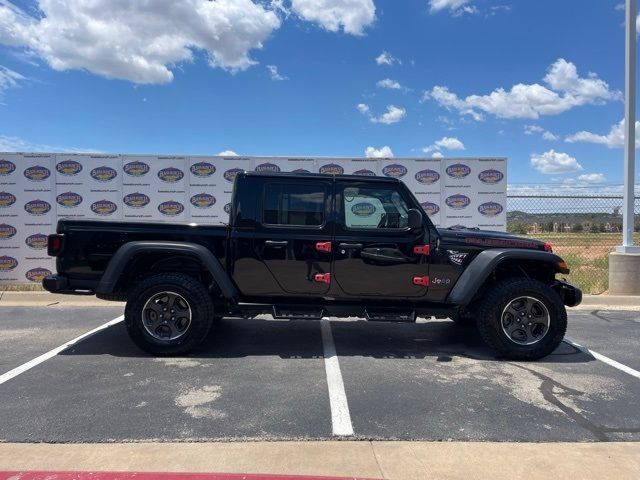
[{"x": 414, "y": 220}]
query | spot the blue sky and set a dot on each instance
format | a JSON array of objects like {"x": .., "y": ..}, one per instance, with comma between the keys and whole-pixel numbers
[{"x": 308, "y": 77}]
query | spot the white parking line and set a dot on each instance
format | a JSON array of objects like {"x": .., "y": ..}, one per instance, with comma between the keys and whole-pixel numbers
[
  {"x": 602, "y": 358},
  {"x": 340, "y": 417},
  {"x": 52, "y": 353}
]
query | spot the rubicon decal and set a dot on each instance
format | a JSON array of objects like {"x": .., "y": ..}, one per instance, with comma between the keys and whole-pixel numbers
[
  {"x": 202, "y": 169},
  {"x": 37, "y": 173},
  {"x": 7, "y": 231},
  {"x": 395, "y": 170},
  {"x": 7, "y": 199},
  {"x": 458, "y": 170},
  {"x": 6, "y": 167},
  {"x": 104, "y": 208},
  {"x": 203, "y": 200},
  {"x": 490, "y": 176},
  {"x": 171, "y": 208},
  {"x": 427, "y": 177},
  {"x": 268, "y": 167},
  {"x": 230, "y": 175},
  {"x": 170, "y": 174},
  {"x": 227, "y": 208},
  {"x": 69, "y": 199},
  {"x": 136, "y": 169},
  {"x": 103, "y": 174},
  {"x": 430, "y": 208},
  {"x": 69, "y": 168},
  {"x": 365, "y": 173},
  {"x": 490, "y": 209},
  {"x": 7, "y": 263},
  {"x": 37, "y": 274},
  {"x": 37, "y": 241},
  {"x": 136, "y": 200},
  {"x": 458, "y": 202},
  {"x": 331, "y": 169},
  {"x": 37, "y": 207},
  {"x": 363, "y": 209}
]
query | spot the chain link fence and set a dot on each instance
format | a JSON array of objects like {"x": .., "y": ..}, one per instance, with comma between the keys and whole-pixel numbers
[{"x": 582, "y": 228}]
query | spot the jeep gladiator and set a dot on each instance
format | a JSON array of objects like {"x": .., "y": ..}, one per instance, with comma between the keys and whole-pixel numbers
[{"x": 304, "y": 246}]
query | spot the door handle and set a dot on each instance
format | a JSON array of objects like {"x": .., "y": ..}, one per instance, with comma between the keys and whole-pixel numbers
[
  {"x": 276, "y": 243},
  {"x": 350, "y": 246}
]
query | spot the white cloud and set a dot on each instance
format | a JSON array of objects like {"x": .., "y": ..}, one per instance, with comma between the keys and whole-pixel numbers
[
  {"x": 533, "y": 129},
  {"x": 17, "y": 144},
  {"x": 554, "y": 162},
  {"x": 389, "y": 84},
  {"x": 275, "y": 75},
  {"x": 436, "y": 6},
  {"x": 227, "y": 153},
  {"x": 592, "y": 178},
  {"x": 437, "y": 155},
  {"x": 445, "y": 143},
  {"x": 139, "y": 41},
  {"x": 382, "y": 152},
  {"x": 385, "y": 58},
  {"x": 547, "y": 135},
  {"x": 565, "y": 91},
  {"x": 350, "y": 15},
  {"x": 9, "y": 79},
  {"x": 614, "y": 139},
  {"x": 392, "y": 115}
]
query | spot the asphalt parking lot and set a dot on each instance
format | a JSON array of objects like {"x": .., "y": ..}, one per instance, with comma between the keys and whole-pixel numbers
[{"x": 267, "y": 379}]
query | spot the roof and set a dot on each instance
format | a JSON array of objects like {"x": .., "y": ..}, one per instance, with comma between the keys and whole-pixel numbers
[{"x": 306, "y": 176}]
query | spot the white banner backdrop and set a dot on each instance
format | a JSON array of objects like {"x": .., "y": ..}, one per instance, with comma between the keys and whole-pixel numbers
[{"x": 36, "y": 189}]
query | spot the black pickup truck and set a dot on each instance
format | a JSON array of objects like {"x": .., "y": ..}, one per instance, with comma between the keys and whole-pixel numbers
[{"x": 305, "y": 246}]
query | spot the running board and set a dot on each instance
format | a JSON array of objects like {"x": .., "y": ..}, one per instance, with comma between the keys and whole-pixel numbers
[
  {"x": 298, "y": 313},
  {"x": 390, "y": 315}
]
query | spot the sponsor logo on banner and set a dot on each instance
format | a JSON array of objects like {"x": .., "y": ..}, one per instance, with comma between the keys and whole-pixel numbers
[
  {"x": 7, "y": 263},
  {"x": 7, "y": 231},
  {"x": 458, "y": 202},
  {"x": 458, "y": 170},
  {"x": 37, "y": 274},
  {"x": 395, "y": 170},
  {"x": 430, "y": 208},
  {"x": 136, "y": 169},
  {"x": 171, "y": 208},
  {"x": 490, "y": 209},
  {"x": 136, "y": 200},
  {"x": 301, "y": 170},
  {"x": 203, "y": 200},
  {"x": 69, "y": 199},
  {"x": 427, "y": 177},
  {"x": 268, "y": 167},
  {"x": 37, "y": 241},
  {"x": 69, "y": 168},
  {"x": 363, "y": 209},
  {"x": 230, "y": 175},
  {"x": 6, "y": 167},
  {"x": 365, "y": 173},
  {"x": 170, "y": 174},
  {"x": 7, "y": 199},
  {"x": 37, "y": 173},
  {"x": 202, "y": 169},
  {"x": 227, "y": 208},
  {"x": 103, "y": 173},
  {"x": 331, "y": 169},
  {"x": 37, "y": 207},
  {"x": 103, "y": 208},
  {"x": 490, "y": 176}
]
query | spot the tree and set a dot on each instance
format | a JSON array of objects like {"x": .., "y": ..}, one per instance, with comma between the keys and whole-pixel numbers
[{"x": 577, "y": 228}]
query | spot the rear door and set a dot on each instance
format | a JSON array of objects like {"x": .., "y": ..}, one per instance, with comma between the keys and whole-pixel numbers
[
  {"x": 293, "y": 236},
  {"x": 374, "y": 250}
]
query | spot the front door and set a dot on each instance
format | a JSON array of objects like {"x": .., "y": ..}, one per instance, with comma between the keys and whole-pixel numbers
[
  {"x": 293, "y": 237},
  {"x": 375, "y": 252}
]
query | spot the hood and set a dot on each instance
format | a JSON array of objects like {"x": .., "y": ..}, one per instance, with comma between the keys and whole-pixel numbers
[{"x": 481, "y": 239}]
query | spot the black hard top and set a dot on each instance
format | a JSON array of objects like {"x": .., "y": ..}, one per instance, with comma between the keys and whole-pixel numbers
[{"x": 324, "y": 176}]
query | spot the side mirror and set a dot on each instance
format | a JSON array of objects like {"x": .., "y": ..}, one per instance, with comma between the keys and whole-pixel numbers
[{"x": 414, "y": 220}]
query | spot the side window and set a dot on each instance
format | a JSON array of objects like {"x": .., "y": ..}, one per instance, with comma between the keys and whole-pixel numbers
[
  {"x": 366, "y": 207},
  {"x": 293, "y": 204}
]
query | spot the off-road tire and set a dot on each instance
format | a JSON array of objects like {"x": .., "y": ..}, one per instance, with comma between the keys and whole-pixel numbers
[
  {"x": 490, "y": 316},
  {"x": 192, "y": 291}
]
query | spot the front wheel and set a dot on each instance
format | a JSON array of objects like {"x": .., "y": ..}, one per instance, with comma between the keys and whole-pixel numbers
[
  {"x": 523, "y": 319},
  {"x": 168, "y": 314}
]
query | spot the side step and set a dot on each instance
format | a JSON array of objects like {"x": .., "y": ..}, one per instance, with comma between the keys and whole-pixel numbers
[
  {"x": 390, "y": 315},
  {"x": 297, "y": 312}
]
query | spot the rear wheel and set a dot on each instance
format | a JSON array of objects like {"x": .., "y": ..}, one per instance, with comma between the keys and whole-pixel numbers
[
  {"x": 168, "y": 314},
  {"x": 523, "y": 319}
]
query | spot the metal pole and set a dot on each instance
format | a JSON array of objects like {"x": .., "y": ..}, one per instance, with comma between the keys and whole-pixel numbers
[{"x": 628, "y": 219}]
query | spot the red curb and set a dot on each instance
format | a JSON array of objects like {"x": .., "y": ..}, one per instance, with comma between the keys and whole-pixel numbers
[{"x": 43, "y": 475}]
